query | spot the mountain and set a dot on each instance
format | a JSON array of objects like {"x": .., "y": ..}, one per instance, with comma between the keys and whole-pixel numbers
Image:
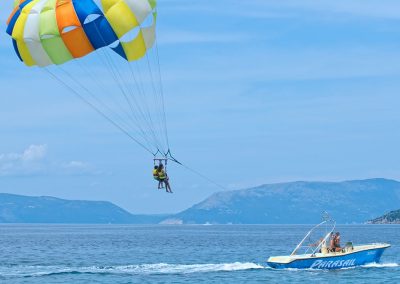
[
  {"x": 44, "y": 209},
  {"x": 296, "y": 203},
  {"x": 282, "y": 203},
  {"x": 393, "y": 217}
]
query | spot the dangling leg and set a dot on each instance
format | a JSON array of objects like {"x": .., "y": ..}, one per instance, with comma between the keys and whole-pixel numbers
[{"x": 167, "y": 186}]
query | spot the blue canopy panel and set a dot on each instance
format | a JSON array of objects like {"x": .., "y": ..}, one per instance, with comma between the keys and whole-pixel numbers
[
  {"x": 98, "y": 30},
  {"x": 16, "y": 49},
  {"x": 120, "y": 50}
]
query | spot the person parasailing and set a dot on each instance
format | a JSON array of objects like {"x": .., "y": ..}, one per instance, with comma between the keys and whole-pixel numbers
[
  {"x": 155, "y": 176},
  {"x": 163, "y": 178}
]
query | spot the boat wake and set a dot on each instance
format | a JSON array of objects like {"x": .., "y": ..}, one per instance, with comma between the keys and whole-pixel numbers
[
  {"x": 381, "y": 265},
  {"x": 158, "y": 268}
]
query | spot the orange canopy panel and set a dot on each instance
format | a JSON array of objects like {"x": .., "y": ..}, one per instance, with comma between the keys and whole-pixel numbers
[{"x": 71, "y": 30}]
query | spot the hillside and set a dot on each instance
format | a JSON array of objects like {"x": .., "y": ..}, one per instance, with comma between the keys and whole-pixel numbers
[
  {"x": 44, "y": 209},
  {"x": 393, "y": 217},
  {"x": 284, "y": 203},
  {"x": 296, "y": 202}
]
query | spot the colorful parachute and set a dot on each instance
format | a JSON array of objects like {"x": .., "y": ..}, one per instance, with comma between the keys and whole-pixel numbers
[
  {"x": 116, "y": 71},
  {"x": 48, "y": 32}
]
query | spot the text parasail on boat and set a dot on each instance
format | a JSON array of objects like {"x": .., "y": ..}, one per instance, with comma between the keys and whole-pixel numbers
[{"x": 105, "y": 52}]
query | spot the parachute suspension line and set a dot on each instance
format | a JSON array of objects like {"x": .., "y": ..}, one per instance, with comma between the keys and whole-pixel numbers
[
  {"x": 155, "y": 110},
  {"x": 103, "y": 88},
  {"x": 97, "y": 110},
  {"x": 162, "y": 93},
  {"x": 91, "y": 94},
  {"x": 158, "y": 101},
  {"x": 171, "y": 158},
  {"x": 121, "y": 84},
  {"x": 157, "y": 81},
  {"x": 142, "y": 96},
  {"x": 164, "y": 158},
  {"x": 132, "y": 113},
  {"x": 149, "y": 122},
  {"x": 99, "y": 82},
  {"x": 141, "y": 92}
]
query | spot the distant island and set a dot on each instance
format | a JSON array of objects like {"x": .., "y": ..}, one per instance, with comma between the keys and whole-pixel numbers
[
  {"x": 283, "y": 203},
  {"x": 393, "y": 217},
  {"x": 45, "y": 209}
]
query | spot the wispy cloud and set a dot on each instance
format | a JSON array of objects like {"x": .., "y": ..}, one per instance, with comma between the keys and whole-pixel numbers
[
  {"x": 33, "y": 161},
  {"x": 34, "y": 153},
  {"x": 30, "y": 161},
  {"x": 78, "y": 168}
]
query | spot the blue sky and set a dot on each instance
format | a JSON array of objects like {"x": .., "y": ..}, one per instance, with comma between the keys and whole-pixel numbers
[{"x": 256, "y": 92}]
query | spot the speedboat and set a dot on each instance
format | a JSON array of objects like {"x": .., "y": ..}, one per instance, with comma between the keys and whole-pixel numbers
[{"x": 318, "y": 255}]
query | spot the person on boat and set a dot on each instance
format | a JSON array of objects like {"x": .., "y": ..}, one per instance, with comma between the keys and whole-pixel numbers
[
  {"x": 163, "y": 177},
  {"x": 332, "y": 246},
  {"x": 317, "y": 243},
  {"x": 155, "y": 176},
  {"x": 337, "y": 242}
]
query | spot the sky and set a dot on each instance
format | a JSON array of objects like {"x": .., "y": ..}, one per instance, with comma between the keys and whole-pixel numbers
[{"x": 256, "y": 92}]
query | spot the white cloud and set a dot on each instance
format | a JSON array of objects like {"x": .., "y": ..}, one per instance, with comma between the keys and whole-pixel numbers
[
  {"x": 78, "y": 168},
  {"x": 33, "y": 161},
  {"x": 31, "y": 154},
  {"x": 34, "y": 153},
  {"x": 30, "y": 161},
  {"x": 76, "y": 165}
]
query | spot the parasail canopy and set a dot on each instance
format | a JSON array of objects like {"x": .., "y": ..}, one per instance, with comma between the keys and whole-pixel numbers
[
  {"x": 46, "y": 32},
  {"x": 105, "y": 52}
]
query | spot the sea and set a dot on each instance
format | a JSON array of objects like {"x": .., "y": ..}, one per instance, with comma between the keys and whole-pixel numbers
[{"x": 178, "y": 254}]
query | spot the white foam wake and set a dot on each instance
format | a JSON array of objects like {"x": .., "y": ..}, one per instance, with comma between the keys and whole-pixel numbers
[
  {"x": 165, "y": 268},
  {"x": 381, "y": 265},
  {"x": 158, "y": 268}
]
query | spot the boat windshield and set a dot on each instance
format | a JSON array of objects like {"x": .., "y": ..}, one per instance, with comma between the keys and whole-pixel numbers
[{"x": 316, "y": 238}]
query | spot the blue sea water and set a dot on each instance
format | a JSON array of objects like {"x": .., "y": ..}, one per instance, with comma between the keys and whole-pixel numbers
[{"x": 177, "y": 254}]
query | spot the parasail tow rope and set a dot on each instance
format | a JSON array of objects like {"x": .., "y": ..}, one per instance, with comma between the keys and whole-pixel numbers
[
  {"x": 169, "y": 156},
  {"x": 204, "y": 177}
]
